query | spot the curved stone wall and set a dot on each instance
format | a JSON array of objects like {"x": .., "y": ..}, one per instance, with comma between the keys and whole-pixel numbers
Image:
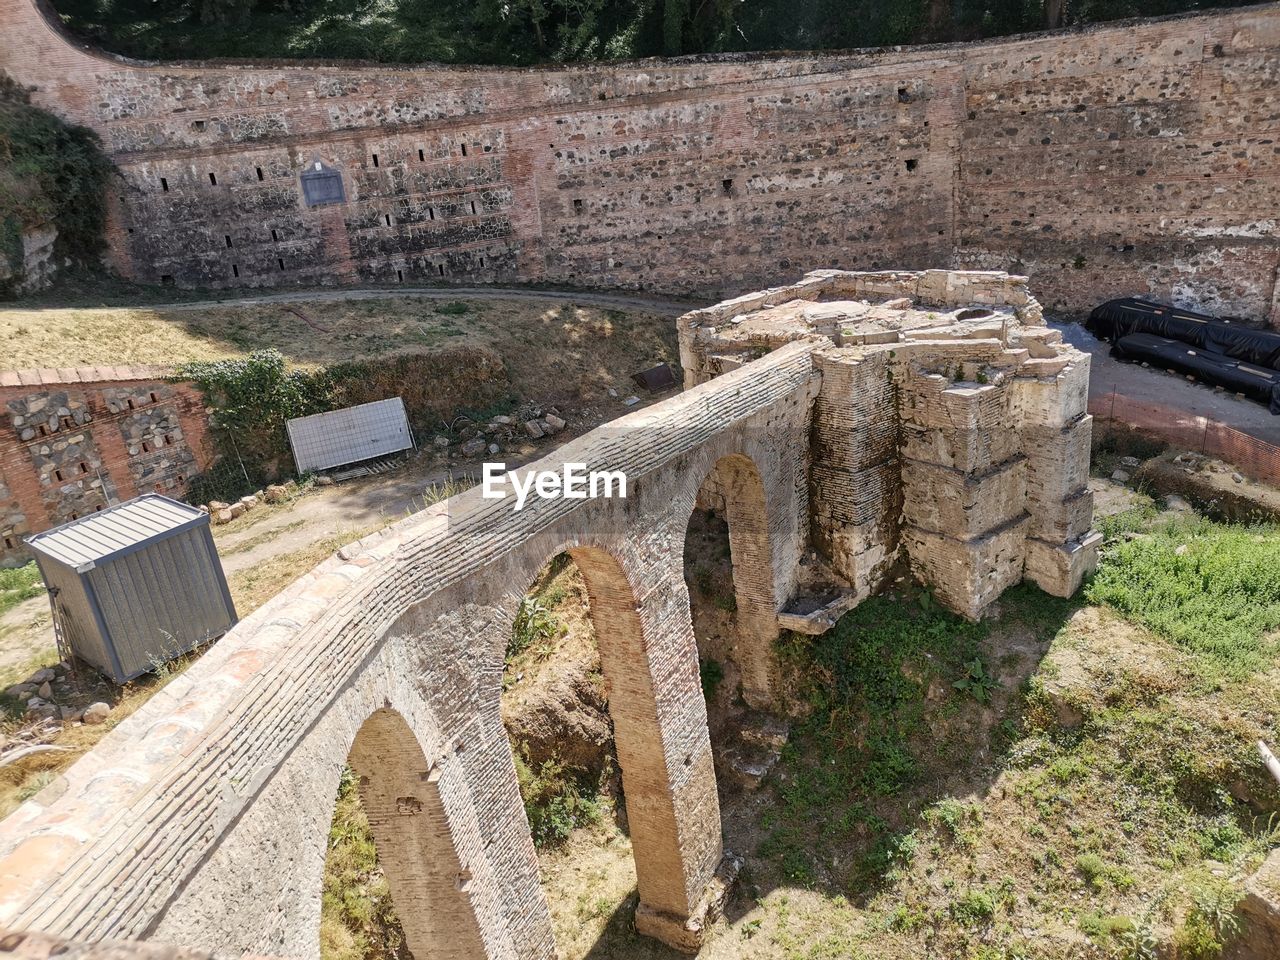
[{"x": 1138, "y": 157}]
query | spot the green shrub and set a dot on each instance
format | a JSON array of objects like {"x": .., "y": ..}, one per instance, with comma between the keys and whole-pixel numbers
[
  {"x": 454, "y": 308},
  {"x": 534, "y": 623},
  {"x": 18, "y": 585},
  {"x": 557, "y": 800}
]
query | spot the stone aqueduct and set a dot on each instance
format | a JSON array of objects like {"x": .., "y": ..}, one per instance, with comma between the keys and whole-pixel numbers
[
  {"x": 920, "y": 428},
  {"x": 1120, "y": 159}
]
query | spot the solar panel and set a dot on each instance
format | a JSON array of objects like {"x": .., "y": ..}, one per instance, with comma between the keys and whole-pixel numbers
[{"x": 325, "y": 440}]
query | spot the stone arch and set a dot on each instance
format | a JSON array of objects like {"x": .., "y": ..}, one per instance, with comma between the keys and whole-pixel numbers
[
  {"x": 401, "y": 798},
  {"x": 735, "y": 487},
  {"x": 646, "y": 645}
]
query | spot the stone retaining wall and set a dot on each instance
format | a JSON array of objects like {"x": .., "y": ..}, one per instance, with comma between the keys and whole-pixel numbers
[{"x": 1126, "y": 158}]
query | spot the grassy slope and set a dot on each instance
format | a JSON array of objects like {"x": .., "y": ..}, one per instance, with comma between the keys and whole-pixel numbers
[
  {"x": 18, "y": 585},
  {"x": 1106, "y": 798},
  {"x": 545, "y": 343}
]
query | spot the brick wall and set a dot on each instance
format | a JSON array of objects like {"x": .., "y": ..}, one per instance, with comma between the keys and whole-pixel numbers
[
  {"x": 1119, "y": 159},
  {"x": 73, "y": 441}
]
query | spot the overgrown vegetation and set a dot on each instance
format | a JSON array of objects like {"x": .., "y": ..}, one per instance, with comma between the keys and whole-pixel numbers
[
  {"x": 557, "y": 800},
  {"x": 18, "y": 585},
  {"x": 521, "y": 32},
  {"x": 1211, "y": 589},
  {"x": 357, "y": 916},
  {"x": 252, "y": 398},
  {"x": 51, "y": 174},
  {"x": 1104, "y": 800}
]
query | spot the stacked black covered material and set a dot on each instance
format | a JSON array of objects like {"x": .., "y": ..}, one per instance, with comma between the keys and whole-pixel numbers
[{"x": 1220, "y": 352}]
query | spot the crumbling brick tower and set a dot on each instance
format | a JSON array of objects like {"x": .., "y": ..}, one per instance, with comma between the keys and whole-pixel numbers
[{"x": 950, "y": 428}]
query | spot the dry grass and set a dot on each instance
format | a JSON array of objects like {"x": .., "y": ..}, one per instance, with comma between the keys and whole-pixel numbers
[
  {"x": 542, "y": 341},
  {"x": 252, "y": 588}
]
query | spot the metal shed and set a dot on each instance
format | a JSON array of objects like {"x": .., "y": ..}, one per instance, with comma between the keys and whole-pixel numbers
[{"x": 134, "y": 585}]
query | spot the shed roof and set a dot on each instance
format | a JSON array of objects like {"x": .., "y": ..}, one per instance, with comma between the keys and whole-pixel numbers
[{"x": 83, "y": 543}]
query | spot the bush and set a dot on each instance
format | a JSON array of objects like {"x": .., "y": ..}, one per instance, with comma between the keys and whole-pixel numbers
[
  {"x": 252, "y": 398},
  {"x": 557, "y": 800},
  {"x": 19, "y": 585}
]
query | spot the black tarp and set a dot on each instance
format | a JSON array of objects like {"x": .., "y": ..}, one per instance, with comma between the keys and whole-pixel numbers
[
  {"x": 1257, "y": 382},
  {"x": 1116, "y": 319}
]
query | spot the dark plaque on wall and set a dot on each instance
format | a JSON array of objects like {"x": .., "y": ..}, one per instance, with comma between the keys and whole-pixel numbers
[{"x": 322, "y": 185}]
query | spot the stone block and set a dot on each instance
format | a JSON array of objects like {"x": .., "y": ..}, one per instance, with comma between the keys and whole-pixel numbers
[
  {"x": 968, "y": 576},
  {"x": 1057, "y": 461},
  {"x": 934, "y": 401},
  {"x": 1059, "y": 569},
  {"x": 1054, "y": 401},
  {"x": 967, "y": 450},
  {"x": 961, "y": 505},
  {"x": 1062, "y": 520}
]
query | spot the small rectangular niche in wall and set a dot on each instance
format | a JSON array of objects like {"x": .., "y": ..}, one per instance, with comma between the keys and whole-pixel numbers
[
  {"x": 280, "y": 261},
  {"x": 260, "y": 176},
  {"x": 431, "y": 213},
  {"x": 164, "y": 184},
  {"x": 422, "y": 156},
  {"x": 235, "y": 270},
  {"x": 213, "y": 179},
  {"x": 400, "y": 276},
  {"x": 473, "y": 207},
  {"x": 440, "y": 267},
  {"x": 375, "y": 159},
  {"x": 274, "y": 235},
  {"x": 577, "y": 204},
  {"x": 727, "y": 185},
  {"x": 228, "y": 239},
  {"x": 387, "y": 217},
  {"x": 464, "y": 149},
  {"x": 913, "y": 163}
]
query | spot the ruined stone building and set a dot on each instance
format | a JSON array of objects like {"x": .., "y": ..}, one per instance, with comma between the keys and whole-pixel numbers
[
  {"x": 1126, "y": 158},
  {"x": 76, "y": 440},
  {"x": 851, "y": 422}
]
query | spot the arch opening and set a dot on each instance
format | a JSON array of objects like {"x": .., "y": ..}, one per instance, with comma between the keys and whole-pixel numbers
[
  {"x": 729, "y": 575},
  {"x": 644, "y": 798},
  {"x": 555, "y": 711},
  {"x": 394, "y": 886}
]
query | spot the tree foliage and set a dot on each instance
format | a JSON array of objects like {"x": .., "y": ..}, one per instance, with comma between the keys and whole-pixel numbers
[
  {"x": 519, "y": 32},
  {"x": 50, "y": 173}
]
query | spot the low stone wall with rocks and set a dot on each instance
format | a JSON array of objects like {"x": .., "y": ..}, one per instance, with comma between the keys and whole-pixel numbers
[{"x": 73, "y": 441}]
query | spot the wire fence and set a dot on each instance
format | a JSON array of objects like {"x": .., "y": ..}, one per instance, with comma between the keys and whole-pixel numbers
[{"x": 1254, "y": 458}]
